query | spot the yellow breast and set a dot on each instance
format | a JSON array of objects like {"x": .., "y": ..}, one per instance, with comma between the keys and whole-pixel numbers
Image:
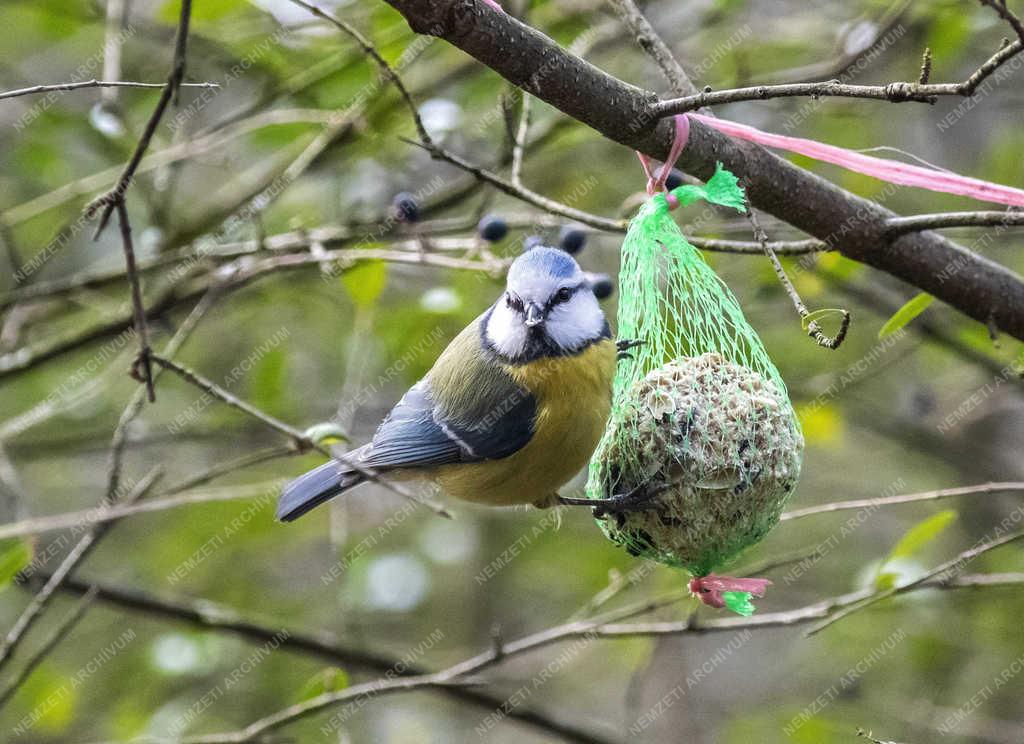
[{"x": 573, "y": 397}]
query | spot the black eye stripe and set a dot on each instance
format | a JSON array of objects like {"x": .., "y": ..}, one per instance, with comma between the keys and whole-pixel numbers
[{"x": 558, "y": 297}]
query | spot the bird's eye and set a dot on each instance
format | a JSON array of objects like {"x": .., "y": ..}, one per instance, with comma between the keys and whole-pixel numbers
[
  {"x": 513, "y": 302},
  {"x": 563, "y": 294}
]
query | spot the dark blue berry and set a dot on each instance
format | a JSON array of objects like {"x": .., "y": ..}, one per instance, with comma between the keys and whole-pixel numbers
[
  {"x": 406, "y": 208},
  {"x": 492, "y": 228},
  {"x": 674, "y": 180},
  {"x": 601, "y": 285},
  {"x": 531, "y": 242},
  {"x": 571, "y": 239}
]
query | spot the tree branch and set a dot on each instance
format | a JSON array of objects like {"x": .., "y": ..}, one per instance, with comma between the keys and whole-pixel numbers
[
  {"x": 649, "y": 40},
  {"x": 605, "y": 626},
  {"x": 906, "y": 498},
  {"x": 143, "y": 360},
  {"x": 300, "y": 439},
  {"x": 984, "y": 290},
  {"x": 94, "y": 84},
  {"x": 45, "y": 595},
  {"x": 170, "y": 92},
  {"x": 59, "y": 634},
  {"x": 207, "y": 615}
]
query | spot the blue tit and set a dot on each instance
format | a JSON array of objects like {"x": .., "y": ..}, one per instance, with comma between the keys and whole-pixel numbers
[{"x": 512, "y": 409}]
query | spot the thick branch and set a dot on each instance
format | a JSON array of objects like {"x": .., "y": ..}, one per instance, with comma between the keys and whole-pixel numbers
[{"x": 628, "y": 115}]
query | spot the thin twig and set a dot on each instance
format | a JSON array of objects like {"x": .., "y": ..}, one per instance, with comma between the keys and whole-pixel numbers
[
  {"x": 999, "y": 6},
  {"x": 942, "y": 573},
  {"x": 813, "y": 329},
  {"x": 519, "y": 142},
  {"x": 113, "y": 492},
  {"x": 907, "y": 498},
  {"x": 82, "y": 517},
  {"x": 608, "y": 625},
  {"x": 43, "y": 597},
  {"x": 183, "y": 494},
  {"x": 849, "y": 50},
  {"x": 896, "y": 92},
  {"x": 441, "y": 153},
  {"x": 94, "y": 84},
  {"x": 649, "y": 40},
  {"x": 59, "y": 634},
  {"x": 142, "y": 361},
  {"x": 301, "y": 440},
  {"x": 223, "y": 468},
  {"x": 170, "y": 92},
  {"x": 208, "y": 615},
  {"x": 917, "y": 222},
  {"x": 371, "y": 50},
  {"x": 521, "y": 192}
]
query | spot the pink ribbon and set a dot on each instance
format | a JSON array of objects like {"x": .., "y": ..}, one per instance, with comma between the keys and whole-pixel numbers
[{"x": 892, "y": 171}]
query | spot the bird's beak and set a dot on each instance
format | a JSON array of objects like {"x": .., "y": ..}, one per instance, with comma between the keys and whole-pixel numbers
[{"x": 534, "y": 315}]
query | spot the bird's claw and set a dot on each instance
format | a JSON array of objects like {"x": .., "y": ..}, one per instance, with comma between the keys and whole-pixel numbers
[
  {"x": 622, "y": 346},
  {"x": 638, "y": 499}
]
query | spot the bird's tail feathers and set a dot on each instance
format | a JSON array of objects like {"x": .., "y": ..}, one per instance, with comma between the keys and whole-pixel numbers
[{"x": 310, "y": 490}]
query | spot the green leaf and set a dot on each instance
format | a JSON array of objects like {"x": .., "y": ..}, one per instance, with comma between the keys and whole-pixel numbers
[
  {"x": 885, "y": 581},
  {"x": 331, "y": 679},
  {"x": 326, "y": 433},
  {"x": 365, "y": 281},
  {"x": 913, "y": 307},
  {"x": 921, "y": 534},
  {"x": 817, "y": 315},
  {"x": 15, "y": 554}
]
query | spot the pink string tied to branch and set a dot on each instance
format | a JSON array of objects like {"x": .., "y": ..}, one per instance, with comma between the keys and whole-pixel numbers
[
  {"x": 656, "y": 178},
  {"x": 891, "y": 171}
]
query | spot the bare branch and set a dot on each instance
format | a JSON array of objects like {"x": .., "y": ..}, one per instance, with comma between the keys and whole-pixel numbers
[
  {"x": 649, "y": 40},
  {"x": 43, "y": 597},
  {"x": 208, "y": 615},
  {"x": 907, "y": 498},
  {"x": 73, "y": 519},
  {"x": 917, "y": 222},
  {"x": 94, "y": 84},
  {"x": 608, "y": 625},
  {"x": 519, "y": 143},
  {"x": 371, "y": 50},
  {"x": 813, "y": 329},
  {"x": 89, "y": 541},
  {"x": 301, "y": 440},
  {"x": 984, "y": 291},
  {"x": 59, "y": 634},
  {"x": 999, "y": 6},
  {"x": 170, "y": 92},
  {"x": 897, "y": 92},
  {"x": 138, "y": 309},
  {"x": 940, "y": 574}
]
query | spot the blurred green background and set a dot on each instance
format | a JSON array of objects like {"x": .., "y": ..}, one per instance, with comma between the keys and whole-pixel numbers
[{"x": 880, "y": 417}]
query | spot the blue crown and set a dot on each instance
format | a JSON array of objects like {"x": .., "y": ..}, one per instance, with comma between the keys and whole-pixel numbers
[{"x": 552, "y": 261}]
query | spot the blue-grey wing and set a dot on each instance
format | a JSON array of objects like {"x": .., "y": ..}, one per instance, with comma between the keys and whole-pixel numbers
[{"x": 420, "y": 433}]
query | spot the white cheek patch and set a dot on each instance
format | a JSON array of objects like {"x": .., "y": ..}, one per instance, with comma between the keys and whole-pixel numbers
[
  {"x": 505, "y": 331},
  {"x": 575, "y": 323}
]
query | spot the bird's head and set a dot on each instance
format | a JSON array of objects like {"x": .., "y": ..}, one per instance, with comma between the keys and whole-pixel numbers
[{"x": 547, "y": 309}]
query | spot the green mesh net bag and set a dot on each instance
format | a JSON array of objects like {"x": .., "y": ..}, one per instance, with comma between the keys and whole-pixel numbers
[{"x": 702, "y": 448}]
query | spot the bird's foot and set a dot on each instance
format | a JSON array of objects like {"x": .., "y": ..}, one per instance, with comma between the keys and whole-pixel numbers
[
  {"x": 623, "y": 345},
  {"x": 638, "y": 499},
  {"x": 728, "y": 592}
]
